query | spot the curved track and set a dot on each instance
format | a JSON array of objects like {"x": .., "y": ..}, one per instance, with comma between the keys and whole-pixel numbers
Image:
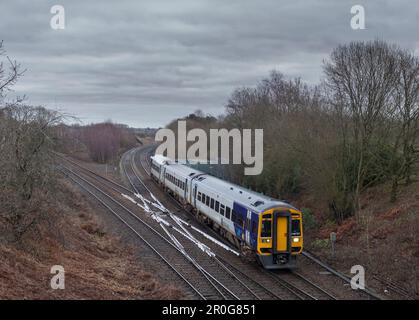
[
  {"x": 288, "y": 285},
  {"x": 196, "y": 255}
]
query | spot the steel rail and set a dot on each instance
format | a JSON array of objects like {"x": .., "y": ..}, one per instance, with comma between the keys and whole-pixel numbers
[
  {"x": 137, "y": 234},
  {"x": 213, "y": 281}
]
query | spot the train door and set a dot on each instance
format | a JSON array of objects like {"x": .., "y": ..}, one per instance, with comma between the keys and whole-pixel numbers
[
  {"x": 254, "y": 226},
  {"x": 282, "y": 231},
  {"x": 248, "y": 226},
  {"x": 194, "y": 195},
  {"x": 185, "y": 192},
  {"x": 163, "y": 176},
  {"x": 239, "y": 217},
  {"x": 251, "y": 226}
]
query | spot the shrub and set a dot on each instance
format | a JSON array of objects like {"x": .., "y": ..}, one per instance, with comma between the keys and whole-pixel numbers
[{"x": 309, "y": 220}]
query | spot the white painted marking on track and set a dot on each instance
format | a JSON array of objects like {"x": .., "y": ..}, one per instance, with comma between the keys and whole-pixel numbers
[
  {"x": 146, "y": 203},
  {"x": 164, "y": 223}
]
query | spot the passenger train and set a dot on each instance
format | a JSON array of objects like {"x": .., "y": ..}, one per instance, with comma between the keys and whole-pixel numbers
[{"x": 253, "y": 222}]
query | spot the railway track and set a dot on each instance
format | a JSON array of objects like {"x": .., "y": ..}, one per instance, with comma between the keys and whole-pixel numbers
[
  {"x": 245, "y": 287},
  {"x": 201, "y": 282},
  {"x": 219, "y": 273},
  {"x": 225, "y": 285},
  {"x": 304, "y": 281},
  {"x": 395, "y": 287},
  {"x": 367, "y": 291},
  {"x": 292, "y": 285}
]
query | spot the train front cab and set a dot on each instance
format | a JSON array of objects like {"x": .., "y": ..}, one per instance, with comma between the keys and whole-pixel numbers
[{"x": 280, "y": 238}]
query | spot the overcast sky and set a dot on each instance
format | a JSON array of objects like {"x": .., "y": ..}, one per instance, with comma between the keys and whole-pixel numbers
[{"x": 144, "y": 63}]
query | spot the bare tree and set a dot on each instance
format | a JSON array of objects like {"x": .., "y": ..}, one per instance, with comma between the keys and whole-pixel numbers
[
  {"x": 8, "y": 74},
  {"x": 26, "y": 166},
  {"x": 405, "y": 117},
  {"x": 104, "y": 141},
  {"x": 363, "y": 77}
]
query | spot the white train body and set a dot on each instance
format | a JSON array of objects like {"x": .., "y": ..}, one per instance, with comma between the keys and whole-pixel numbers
[{"x": 249, "y": 218}]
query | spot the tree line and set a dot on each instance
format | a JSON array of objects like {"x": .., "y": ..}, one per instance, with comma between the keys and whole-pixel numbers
[
  {"x": 28, "y": 136},
  {"x": 356, "y": 129},
  {"x": 101, "y": 142},
  {"x": 27, "y": 177}
]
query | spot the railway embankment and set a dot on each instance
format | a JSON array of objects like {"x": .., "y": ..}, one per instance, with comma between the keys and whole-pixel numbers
[{"x": 96, "y": 263}]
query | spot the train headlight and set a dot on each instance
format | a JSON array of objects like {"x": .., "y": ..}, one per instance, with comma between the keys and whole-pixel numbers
[
  {"x": 295, "y": 239},
  {"x": 266, "y": 240}
]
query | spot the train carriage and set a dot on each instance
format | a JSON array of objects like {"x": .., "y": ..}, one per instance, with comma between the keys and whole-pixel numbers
[{"x": 270, "y": 228}]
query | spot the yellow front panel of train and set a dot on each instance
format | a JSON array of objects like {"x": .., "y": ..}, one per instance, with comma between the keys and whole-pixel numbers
[{"x": 281, "y": 233}]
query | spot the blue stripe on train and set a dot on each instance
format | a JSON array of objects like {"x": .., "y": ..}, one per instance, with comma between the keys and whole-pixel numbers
[{"x": 241, "y": 212}]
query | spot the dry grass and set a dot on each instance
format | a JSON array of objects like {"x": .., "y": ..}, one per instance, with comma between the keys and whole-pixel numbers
[
  {"x": 96, "y": 265},
  {"x": 383, "y": 238}
]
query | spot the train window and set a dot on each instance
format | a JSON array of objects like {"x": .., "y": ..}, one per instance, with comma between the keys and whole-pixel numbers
[
  {"x": 203, "y": 198},
  {"x": 212, "y": 203},
  {"x": 217, "y": 206},
  {"x": 228, "y": 211},
  {"x": 295, "y": 228},
  {"x": 222, "y": 209},
  {"x": 199, "y": 196},
  {"x": 266, "y": 228},
  {"x": 207, "y": 201}
]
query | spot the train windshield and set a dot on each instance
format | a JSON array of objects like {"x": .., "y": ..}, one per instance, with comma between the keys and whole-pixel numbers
[
  {"x": 295, "y": 228},
  {"x": 266, "y": 228}
]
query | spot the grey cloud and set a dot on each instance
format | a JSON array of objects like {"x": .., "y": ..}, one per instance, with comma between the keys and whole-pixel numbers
[{"x": 146, "y": 62}]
